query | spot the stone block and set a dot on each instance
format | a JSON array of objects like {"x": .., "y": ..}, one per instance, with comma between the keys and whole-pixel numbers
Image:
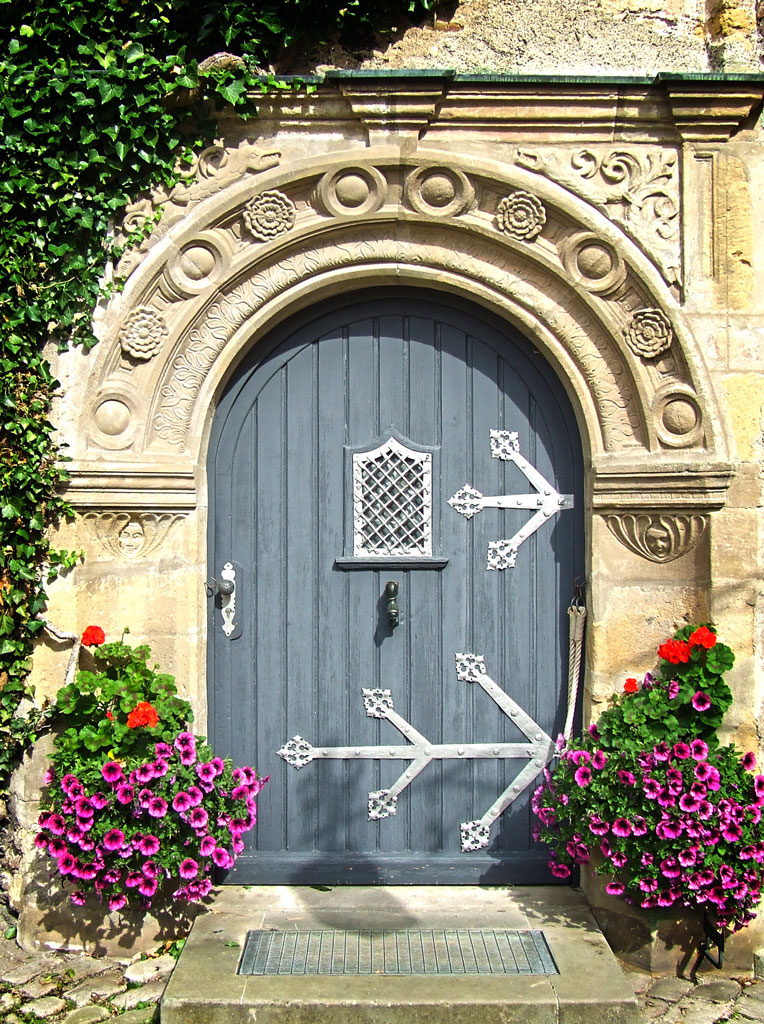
[
  {"x": 743, "y": 395},
  {"x": 150, "y": 969},
  {"x": 151, "y": 992},
  {"x": 45, "y": 1008},
  {"x": 87, "y": 1015}
]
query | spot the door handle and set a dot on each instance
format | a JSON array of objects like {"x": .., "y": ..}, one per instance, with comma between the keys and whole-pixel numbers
[{"x": 391, "y": 594}]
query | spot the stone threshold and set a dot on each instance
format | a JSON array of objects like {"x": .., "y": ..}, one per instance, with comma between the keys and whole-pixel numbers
[{"x": 206, "y": 989}]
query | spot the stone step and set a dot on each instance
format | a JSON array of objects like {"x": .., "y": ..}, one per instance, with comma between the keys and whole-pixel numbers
[{"x": 590, "y": 987}]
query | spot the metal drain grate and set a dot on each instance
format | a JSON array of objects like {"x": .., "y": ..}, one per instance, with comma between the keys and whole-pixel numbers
[{"x": 429, "y": 951}]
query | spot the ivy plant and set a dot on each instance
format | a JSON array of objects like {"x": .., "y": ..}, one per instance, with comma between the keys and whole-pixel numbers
[{"x": 98, "y": 103}]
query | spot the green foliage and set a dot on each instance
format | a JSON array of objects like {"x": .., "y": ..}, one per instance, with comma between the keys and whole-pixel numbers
[
  {"x": 98, "y": 102},
  {"x": 663, "y": 708},
  {"x": 95, "y": 709}
]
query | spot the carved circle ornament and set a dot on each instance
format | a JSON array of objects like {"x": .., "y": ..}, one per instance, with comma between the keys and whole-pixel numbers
[
  {"x": 521, "y": 216},
  {"x": 439, "y": 191},
  {"x": 678, "y": 417},
  {"x": 658, "y": 538},
  {"x": 268, "y": 215},
  {"x": 352, "y": 191},
  {"x": 649, "y": 333},
  {"x": 592, "y": 263},
  {"x": 198, "y": 264},
  {"x": 142, "y": 334}
]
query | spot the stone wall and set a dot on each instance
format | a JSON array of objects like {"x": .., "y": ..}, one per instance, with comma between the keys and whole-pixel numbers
[{"x": 643, "y": 290}]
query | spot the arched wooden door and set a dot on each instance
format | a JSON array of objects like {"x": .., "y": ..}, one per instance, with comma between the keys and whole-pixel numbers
[{"x": 335, "y": 450}]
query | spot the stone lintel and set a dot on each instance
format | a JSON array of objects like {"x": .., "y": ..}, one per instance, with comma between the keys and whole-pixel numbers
[
  {"x": 703, "y": 107},
  {"x": 666, "y": 489},
  {"x": 161, "y": 487}
]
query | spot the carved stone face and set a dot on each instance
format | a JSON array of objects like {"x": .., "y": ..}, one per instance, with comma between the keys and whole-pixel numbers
[
  {"x": 658, "y": 540},
  {"x": 131, "y": 538}
]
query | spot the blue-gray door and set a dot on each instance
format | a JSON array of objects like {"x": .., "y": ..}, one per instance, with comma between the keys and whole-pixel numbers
[{"x": 317, "y": 506}]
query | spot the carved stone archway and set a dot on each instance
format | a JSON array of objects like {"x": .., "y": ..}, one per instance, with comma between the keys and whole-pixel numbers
[{"x": 273, "y": 242}]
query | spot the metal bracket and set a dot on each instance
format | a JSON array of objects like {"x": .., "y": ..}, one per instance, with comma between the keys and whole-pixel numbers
[{"x": 715, "y": 937}]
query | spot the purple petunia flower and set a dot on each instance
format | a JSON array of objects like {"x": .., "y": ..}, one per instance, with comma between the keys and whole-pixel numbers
[
  {"x": 145, "y": 773},
  {"x": 240, "y": 793},
  {"x": 749, "y": 761},
  {"x": 196, "y": 795},
  {"x": 163, "y": 750},
  {"x": 673, "y": 689},
  {"x": 134, "y": 879},
  {"x": 125, "y": 794},
  {"x": 206, "y": 771},
  {"x": 625, "y": 777},
  {"x": 160, "y": 768},
  {"x": 67, "y": 863},
  {"x": 197, "y": 817},
  {"x": 187, "y": 755},
  {"x": 77, "y": 898},
  {"x": 699, "y": 750},
  {"x": 218, "y": 764},
  {"x": 99, "y": 801},
  {"x": 681, "y": 751},
  {"x": 148, "y": 845},
  {"x": 599, "y": 760},
  {"x": 594, "y": 731},
  {"x": 661, "y": 751},
  {"x": 559, "y": 870},
  {"x": 222, "y": 858},
  {"x": 188, "y": 868},
  {"x": 619, "y": 859},
  {"x": 207, "y": 846},
  {"x": 583, "y": 776},
  {"x": 181, "y": 801},
  {"x": 150, "y": 869},
  {"x": 117, "y": 901},
  {"x": 578, "y": 757},
  {"x": 732, "y": 832},
  {"x": 670, "y": 867},
  {"x": 147, "y": 888},
  {"x": 184, "y": 739},
  {"x": 615, "y": 888},
  {"x": 114, "y": 839},
  {"x": 157, "y": 807},
  {"x": 622, "y": 827},
  {"x": 701, "y": 701},
  {"x": 638, "y": 825},
  {"x": 648, "y": 885},
  {"x": 112, "y": 772}
]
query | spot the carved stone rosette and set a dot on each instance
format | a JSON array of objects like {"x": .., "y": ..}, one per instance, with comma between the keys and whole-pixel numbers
[
  {"x": 649, "y": 333},
  {"x": 143, "y": 334},
  {"x": 658, "y": 537},
  {"x": 521, "y": 216},
  {"x": 269, "y": 214}
]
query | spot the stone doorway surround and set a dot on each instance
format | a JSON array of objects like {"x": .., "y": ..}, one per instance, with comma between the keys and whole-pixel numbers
[{"x": 589, "y": 213}]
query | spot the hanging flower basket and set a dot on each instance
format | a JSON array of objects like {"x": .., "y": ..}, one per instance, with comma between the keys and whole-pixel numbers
[
  {"x": 136, "y": 804},
  {"x": 651, "y": 799}
]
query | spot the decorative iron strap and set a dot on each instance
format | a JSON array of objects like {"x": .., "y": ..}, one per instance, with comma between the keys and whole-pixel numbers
[
  {"x": 470, "y": 668},
  {"x": 502, "y": 554}
]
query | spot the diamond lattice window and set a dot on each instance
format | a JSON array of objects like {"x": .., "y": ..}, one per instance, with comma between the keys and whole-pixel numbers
[{"x": 392, "y": 501}]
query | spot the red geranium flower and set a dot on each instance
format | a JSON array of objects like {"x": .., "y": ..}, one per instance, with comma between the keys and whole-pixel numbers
[
  {"x": 142, "y": 714},
  {"x": 93, "y": 636},
  {"x": 702, "y": 637},
  {"x": 674, "y": 651},
  {"x": 630, "y": 686},
  {"x": 110, "y": 716}
]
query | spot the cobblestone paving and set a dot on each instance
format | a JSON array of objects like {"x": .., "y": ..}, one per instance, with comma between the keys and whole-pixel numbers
[
  {"x": 69, "y": 988},
  {"x": 710, "y": 998}
]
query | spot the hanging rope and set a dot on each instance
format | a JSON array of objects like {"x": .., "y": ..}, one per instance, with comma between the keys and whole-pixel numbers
[{"x": 577, "y": 617}]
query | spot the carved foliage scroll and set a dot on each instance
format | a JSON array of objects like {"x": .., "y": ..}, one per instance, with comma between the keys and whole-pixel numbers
[
  {"x": 658, "y": 537},
  {"x": 638, "y": 187}
]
